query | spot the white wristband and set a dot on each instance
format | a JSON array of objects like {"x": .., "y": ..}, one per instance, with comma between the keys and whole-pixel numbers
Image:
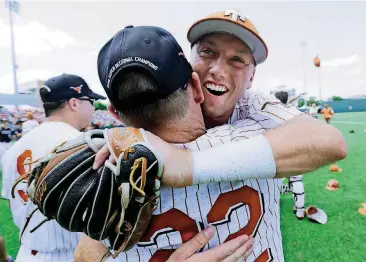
[{"x": 239, "y": 160}]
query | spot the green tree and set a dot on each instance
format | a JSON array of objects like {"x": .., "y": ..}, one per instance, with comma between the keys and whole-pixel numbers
[
  {"x": 100, "y": 106},
  {"x": 337, "y": 98},
  {"x": 300, "y": 103},
  {"x": 310, "y": 102}
]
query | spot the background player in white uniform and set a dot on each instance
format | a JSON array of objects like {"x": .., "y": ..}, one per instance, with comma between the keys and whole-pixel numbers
[
  {"x": 195, "y": 206},
  {"x": 68, "y": 104},
  {"x": 313, "y": 110},
  {"x": 295, "y": 184}
]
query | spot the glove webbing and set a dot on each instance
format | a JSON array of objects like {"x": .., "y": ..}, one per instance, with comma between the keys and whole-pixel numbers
[{"x": 124, "y": 190}]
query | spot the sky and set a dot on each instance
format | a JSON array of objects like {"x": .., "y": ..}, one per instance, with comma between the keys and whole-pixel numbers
[{"x": 54, "y": 37}]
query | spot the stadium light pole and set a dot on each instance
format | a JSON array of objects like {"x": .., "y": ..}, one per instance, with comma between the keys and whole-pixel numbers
[
  {"x": 303, "y": 44},
  {"x": 320, "y": 83},
  {"x": 13, "y": 6}
]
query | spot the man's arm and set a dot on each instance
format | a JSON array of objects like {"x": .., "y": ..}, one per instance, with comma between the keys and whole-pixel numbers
[
  {"x": 89, "y": 250},
  {"x": 305, "y": 144},
  {"x": 299, "y": 146}
]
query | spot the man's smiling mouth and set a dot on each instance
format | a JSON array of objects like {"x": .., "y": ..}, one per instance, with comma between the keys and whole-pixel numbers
[{"x": 217, "y": 90}]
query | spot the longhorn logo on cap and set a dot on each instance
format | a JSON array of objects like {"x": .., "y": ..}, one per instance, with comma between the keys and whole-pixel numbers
[
  {"x": 234, "y": 15},
  {"x": 77, "y": 88}
]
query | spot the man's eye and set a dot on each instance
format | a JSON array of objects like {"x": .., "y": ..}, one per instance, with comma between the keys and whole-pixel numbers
[
  {"x": 207, "y": 51},
  {"x": 238, "y": 59}
]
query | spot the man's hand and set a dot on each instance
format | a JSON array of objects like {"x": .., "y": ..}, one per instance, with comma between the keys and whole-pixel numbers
[{"x": 237, "y": 249}]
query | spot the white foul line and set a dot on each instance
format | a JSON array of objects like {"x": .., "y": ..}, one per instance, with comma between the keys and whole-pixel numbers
[{"x": 349, "y": 122}]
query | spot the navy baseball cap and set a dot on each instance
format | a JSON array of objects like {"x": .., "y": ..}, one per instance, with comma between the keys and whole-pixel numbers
[
  {"x": 66, "y": 86},
  {"x": 148, "y": 48}
]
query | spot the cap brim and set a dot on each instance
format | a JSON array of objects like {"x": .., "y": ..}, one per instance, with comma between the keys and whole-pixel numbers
[
  {"x": 214, "y": 26},
  {"x": 96, "y": 96},
  {"x": 331, "y": 188},
  {"x": 319, "y": 216}
]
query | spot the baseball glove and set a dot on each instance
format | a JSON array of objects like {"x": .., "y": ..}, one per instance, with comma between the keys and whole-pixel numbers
[{"x": 114, "y": 202}]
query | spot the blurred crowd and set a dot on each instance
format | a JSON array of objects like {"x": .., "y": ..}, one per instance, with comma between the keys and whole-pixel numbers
[{"x": 17, "y": 121}]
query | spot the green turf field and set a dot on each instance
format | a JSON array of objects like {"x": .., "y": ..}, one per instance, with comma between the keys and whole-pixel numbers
[{"x": 343, "y": 238}]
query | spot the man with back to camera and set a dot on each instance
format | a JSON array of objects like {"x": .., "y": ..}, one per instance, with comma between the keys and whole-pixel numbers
[{"x": 68, "y": 105}]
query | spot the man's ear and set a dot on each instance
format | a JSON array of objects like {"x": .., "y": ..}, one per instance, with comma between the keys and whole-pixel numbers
[
  {"x": 250, "y": 84},
  {"x": 197, "y": 88},
  {"x": 73, "y": 104},
  {"x": 113, "y": 111}
]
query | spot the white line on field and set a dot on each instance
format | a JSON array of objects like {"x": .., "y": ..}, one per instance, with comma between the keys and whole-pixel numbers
[{"x": 349, "y": 122}]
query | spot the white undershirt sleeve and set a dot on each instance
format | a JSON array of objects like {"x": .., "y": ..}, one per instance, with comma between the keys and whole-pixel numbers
[{"x": 240, "y": 160}]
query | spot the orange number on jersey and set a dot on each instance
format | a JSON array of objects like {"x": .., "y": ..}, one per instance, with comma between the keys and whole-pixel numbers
[
  {"x": 26, "y": 156},
  {"x": 227, "y": 202},
  {"x": 266, "y": 256},
  {"x": 170, "y": 221}
]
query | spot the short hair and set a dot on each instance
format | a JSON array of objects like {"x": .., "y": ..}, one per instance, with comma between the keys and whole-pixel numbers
[
  {"x": 172, "y": 108},
  {"x": 51, "y": 108},
  {"x": 29, "y": 115},
  {"x": 282, "y": 96}
]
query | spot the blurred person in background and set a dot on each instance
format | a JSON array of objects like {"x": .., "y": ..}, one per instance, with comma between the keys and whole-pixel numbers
[
  {"x": 29, "y": 124},
  {"x": 327, "y": 113},
  {"x": 313, "y": 111},
  {"x": 7, "y": 135},
  {"x": 4, "y": 257},
  {"x": 17, "y": 131},
  {"x": 283, "y": 97},
  {"x": 5, "y": 132}
]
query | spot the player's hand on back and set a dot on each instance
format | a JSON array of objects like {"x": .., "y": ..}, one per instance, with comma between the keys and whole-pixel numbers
[{"x": 237, "y": 249}]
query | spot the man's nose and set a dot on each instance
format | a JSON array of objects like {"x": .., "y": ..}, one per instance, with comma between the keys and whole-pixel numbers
[{"x": 218, "y": 69}]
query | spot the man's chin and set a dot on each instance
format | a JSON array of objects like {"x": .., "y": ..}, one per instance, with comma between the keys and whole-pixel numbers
[{"x": 212, "y": 111}]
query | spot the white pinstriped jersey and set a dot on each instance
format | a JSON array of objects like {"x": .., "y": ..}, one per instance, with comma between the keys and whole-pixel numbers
[
  {"x": 244, "y": 207},
  {"x": 267, "y": 110},
  {"x": 56, "y": 243}
]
